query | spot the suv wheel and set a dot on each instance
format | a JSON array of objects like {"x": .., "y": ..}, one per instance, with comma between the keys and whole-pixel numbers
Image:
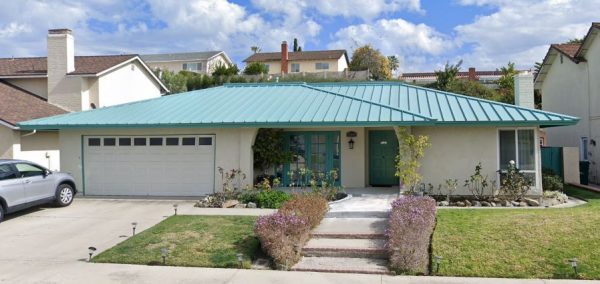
[
  {"x": 1, "y": 213},
  {"x": 64, "y": 195}
]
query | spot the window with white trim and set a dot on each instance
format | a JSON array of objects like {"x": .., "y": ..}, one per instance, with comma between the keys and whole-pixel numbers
[
  {"x": 583, "y": 149},
  {"x": 518, "y": 145},
  {"x": 322, "y": 66},
  {"x": 295, "y": 67},
  {"x": 192, "y": 66}
]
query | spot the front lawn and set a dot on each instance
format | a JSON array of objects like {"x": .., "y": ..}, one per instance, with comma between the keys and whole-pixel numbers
[
  {"x": 203, "y": 241},
  {"x": 520, "y": 243}
]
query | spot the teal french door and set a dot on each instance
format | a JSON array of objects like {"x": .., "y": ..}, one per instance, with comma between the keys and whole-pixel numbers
[{"x": 317, "y": 151}]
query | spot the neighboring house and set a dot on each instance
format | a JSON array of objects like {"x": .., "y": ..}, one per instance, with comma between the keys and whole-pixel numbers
[
  {"x": 199, "y": 62},
  {"x": 172, "y": 146},
  {"x": 285, "y": 62},
  {"x": 486, "y": 78},
  {"x": 569, "y": 83},
  {"x": 62, "y": 82}
]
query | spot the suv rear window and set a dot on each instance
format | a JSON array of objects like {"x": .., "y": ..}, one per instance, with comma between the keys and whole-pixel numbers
[{"x": 6, "y": 172}]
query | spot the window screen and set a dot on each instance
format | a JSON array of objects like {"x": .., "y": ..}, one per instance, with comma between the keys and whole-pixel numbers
[{"x": 507, "y": 148}]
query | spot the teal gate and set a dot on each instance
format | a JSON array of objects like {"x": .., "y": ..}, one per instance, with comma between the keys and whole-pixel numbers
[{"x": 552, "y": 159}]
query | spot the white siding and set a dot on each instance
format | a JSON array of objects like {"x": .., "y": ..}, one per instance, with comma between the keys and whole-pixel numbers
[{"x": 126, "y": 84}]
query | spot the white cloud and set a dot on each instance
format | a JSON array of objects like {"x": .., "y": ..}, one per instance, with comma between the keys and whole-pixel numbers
[
  {"x": 412, "y": 43},
  {"x": 521, "y": 31}
]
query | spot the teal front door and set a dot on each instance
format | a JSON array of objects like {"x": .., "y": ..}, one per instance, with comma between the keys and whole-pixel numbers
[
  {"x": 383, "y": 148},
  {"x": 314, "y": 152}
]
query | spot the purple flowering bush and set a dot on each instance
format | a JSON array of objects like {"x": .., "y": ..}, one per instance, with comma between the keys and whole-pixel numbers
[
  {"x": 283, "y": 234},
  {"x": 412, "y": 220}
]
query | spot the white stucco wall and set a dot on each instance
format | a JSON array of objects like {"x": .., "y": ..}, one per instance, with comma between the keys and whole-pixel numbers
[
  {"x": 38, "y": 86},
  {"x": 308, "y": 66},
  {"x": 176, "y": 66},
  {"x": 233, "y": 147},
  {"x": 7, "y": 141},
  {"x": 453, "y": 155},
  {"x": 126, "y": 84},
  {"x": 41, "y": 148}
]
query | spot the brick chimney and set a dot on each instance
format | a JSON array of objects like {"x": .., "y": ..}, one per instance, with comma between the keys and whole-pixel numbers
[
  {"x": 284, "y": 57},
  {"x": 61, "y": 60},
  {"x": 524, "y": 90},
  {"x": 472, "y": 76}
]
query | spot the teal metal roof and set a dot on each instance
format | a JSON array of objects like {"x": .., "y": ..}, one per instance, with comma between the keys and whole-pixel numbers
[{"x": 300, "y": 104}]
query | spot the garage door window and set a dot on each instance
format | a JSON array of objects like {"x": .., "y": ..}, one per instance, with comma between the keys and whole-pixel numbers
[
  {"x": 110, "y": 141},
  {"x": 94, "y": 142},
  {"x": 172, "y": 141},
  {"x": 124, "y": 141},
  {"x": 204, "y": 141},
  {"x": 188, "y": 141},
  {"x": 139, "y": 141},
  {"x": 156, "y": 141}
]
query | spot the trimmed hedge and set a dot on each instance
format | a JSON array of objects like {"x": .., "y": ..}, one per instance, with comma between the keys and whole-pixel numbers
[
  {"x": 283, "y": 234},
  {"x": 412, "y": 220}
]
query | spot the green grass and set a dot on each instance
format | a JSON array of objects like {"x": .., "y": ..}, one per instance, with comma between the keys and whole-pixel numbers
[
  {"x": 202, "y": 241},
  {"x": 521, "y": 243}
]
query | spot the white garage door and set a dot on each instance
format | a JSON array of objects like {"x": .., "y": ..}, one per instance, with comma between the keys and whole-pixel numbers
[{"x": 149, "y": 165}]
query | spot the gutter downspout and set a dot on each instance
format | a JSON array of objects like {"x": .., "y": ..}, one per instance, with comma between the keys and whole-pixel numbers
[{"x": 30, "y": 133}]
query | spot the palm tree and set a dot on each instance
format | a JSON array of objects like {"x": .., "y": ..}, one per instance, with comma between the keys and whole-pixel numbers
[{"x": 394, "y": 63}]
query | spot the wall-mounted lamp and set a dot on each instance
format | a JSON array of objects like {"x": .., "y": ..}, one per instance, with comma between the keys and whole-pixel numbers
[{"x": 351, "y": 134}]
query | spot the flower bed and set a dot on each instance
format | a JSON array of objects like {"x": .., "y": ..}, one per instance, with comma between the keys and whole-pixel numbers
[
  {"x": 283, "y": 234},
  {"x": 411, "y": 224}
]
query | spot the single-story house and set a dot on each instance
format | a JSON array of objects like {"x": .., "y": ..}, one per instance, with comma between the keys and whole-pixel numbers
[
  {"x": 172, "y": 146},
  {"x": 203, "y": 62}
]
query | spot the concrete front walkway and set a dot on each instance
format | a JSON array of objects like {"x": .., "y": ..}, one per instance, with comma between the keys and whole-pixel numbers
[
  {"x": 375, "y": 199},
  {"x": 81, "y": 272}
]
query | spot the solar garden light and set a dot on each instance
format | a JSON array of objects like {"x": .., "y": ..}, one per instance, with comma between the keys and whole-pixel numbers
[
  {"x": 438, "y": 260},
  {"x": 91, "y": 251},
  {"x": 175, "y": 208},
  {"x": 133, "y": 225},
  {"x": 573, "y": 262},
  {"x": 240, "y": 258},
  {"x": 163, "y": 253}
]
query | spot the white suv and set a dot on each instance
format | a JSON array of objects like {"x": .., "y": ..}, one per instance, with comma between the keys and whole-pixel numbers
[{"x": 25, "y": 184}]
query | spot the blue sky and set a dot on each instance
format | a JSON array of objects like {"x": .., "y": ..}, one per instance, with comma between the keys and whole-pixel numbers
[{"x": 424, "y": 34}]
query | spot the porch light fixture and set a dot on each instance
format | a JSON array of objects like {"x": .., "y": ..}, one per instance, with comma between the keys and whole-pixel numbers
[
  {"x": 438, "y": 260},
  {"x": 175, "y": 208},
  {"x": 351, "y": 144},
  {"x": 91, "y": 251},
  {"x": 163, "y": 253},
  {"x": 573, "y": 262},
  {"x": 240, "y": 258},
  {"x": 351, "y": 134},
  {"x": 133, "y": 225}
]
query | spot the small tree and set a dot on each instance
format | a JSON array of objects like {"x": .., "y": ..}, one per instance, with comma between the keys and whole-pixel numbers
[
  {"x": 296, "y": 46},
  {"x": 411, "y": 150},
  {"x": 269, "y": 149},
  {"x": 451, "y": 185},
  {"x": 255, "y": 48},
  {"x": 506, "y": 83},
  {"x": 368, "y": 58},
  {"x": 393, "y": 62},
  {"x": 223, "y": 70},
  {"x": 447, "y": 76},
  {"x": 256, "y": 68}
]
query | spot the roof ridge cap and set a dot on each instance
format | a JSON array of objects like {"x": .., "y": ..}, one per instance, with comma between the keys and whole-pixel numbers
[{"x": 426, "y": 118}]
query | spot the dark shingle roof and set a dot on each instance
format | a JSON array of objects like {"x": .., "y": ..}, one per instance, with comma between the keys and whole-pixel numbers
[
  {"x": 18, "y": 105},
  {"x": 297, "y": 56},
  {"x": 568, "y": 49},
  {"x": 179, "y": 56},
  {"x": 38, "y": 65}
]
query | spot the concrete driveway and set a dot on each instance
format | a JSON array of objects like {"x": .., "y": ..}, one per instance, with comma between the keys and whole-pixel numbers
[{"x": 39, "y": 238}]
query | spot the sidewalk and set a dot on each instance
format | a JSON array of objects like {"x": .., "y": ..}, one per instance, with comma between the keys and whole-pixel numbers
[{"x": 81, "y": 272}]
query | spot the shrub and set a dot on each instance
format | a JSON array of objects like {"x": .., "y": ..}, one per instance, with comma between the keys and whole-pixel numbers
[
  {"x": 557, "y": 195},
  {"x": 412, "y": 220},
  {"x": 312, "y": 207},
  {"x": 271, "y": 198},
  {"x": 514, "y": 184},
  {"x": 478, "y": 184},
  {"x": 551, "y": 181},
  {"x": 281, "y": 235}
]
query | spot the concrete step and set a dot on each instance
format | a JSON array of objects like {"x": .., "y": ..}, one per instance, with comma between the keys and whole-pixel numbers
[
  {"x": 357, "y": 214},
  {"x": 342, "y": 265},
  {"x": 351, "y": 228},
  {"x": 356, "y": 248}
]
